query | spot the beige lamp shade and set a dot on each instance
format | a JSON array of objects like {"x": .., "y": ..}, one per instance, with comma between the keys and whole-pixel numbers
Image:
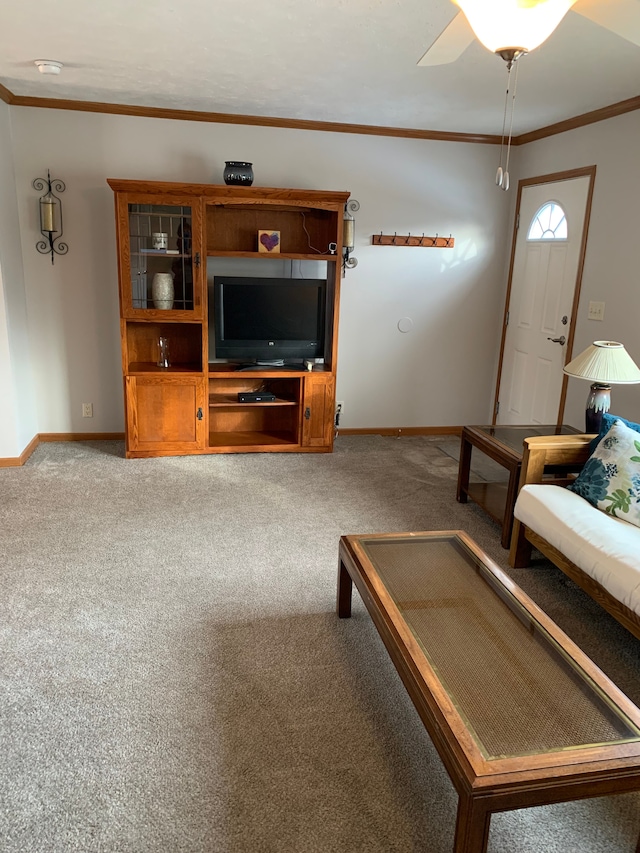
[
  {"x": 606, "y": 362},
  {"x": 521, "y": 24}
]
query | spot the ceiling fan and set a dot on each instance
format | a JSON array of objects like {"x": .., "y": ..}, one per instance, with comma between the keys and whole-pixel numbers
[
  {"x": 621, "y": 17},
  {"x": 512, "y": 28}
]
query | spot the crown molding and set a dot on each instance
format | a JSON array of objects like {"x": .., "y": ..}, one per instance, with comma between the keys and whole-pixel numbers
[
  {"x": 618, "y": 109},
  {"x": 582, "y": 120},
  {"x": 262, "y": 121},
  {"x": 5, "y": 95}
]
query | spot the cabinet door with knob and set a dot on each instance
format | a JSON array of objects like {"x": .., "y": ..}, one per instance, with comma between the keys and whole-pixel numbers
[
  {"x": 318, "y": 410},
  {"x": 160, "y": 255},
  {"x": 166, "y": 415}
]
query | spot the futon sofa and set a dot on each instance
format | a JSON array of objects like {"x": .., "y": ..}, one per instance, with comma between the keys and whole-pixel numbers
[{"x": 596, "y": 549}]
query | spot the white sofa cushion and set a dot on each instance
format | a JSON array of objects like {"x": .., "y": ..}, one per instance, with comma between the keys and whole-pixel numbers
[{"x": 604, "y": 547}]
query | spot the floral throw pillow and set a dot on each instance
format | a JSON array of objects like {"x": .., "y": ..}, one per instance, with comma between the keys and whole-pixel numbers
[
  {"x": 610, "y": 479},
  {"x": 608, "y": 421}
]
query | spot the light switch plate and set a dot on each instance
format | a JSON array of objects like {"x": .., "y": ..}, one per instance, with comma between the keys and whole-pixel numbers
[{"x": 596, "y": 311}]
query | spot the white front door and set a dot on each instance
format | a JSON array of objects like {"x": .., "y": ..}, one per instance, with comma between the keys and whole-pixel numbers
[{"x": 546, "y": 268}]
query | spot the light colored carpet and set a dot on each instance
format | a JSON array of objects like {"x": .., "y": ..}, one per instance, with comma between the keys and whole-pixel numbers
[{"x": 173, "y": 676}]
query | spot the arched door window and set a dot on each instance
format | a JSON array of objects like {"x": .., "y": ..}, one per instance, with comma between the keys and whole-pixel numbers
[{"x": 549, "y": 223}]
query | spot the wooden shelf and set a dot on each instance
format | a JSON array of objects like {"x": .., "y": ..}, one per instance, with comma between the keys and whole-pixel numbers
[
  {"x": 251, "y": 439},
  {"x": 164, "y": 315},
  {"x": 154, "y": 254},
  {"x": 228, "y": 371},
  {"x": 306, "y": 232},
  {"x": 213, "y": 253},
  {"x": 158, "y": 213},
  {"x": 150, "y": 367}
]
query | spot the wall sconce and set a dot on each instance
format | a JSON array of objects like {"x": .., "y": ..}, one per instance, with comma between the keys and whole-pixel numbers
[
  {"x": 50, "y": 208},
  {"x": 349, "y": 235}
]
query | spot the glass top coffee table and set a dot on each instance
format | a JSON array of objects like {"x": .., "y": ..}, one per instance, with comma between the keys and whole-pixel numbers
[
  {"x": 518, "y": 713},
  {"x": 503, "y": 444}
]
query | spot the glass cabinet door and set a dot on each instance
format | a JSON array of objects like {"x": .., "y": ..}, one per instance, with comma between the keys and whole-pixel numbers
[{"x": 161, "y": 262}]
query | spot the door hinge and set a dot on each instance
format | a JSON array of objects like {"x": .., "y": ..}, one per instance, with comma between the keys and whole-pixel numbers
[
  {"x": 307, "y": 413},
  {"x": 197, "y": 259},
  {"x": 507, "y": 321},
  {"x": 517, "y": 221},
  {"x": 497, "y": 407},
  {"x": 199, "y": 414}
]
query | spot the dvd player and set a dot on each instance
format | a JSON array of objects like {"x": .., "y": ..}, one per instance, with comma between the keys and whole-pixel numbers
[{"x": 256, "y": 397}]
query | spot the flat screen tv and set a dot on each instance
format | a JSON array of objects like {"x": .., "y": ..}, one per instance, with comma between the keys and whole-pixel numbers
[{"x": 268, "y": 320}]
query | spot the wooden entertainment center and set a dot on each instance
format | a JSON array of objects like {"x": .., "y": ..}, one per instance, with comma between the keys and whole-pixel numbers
[{"x": 181, "y": 236}]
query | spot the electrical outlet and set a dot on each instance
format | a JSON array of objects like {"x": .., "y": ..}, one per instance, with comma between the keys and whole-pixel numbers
[
  {"x": 596, "y": 311},
  {"x": 87, "y": 410},
  {"x": 339, "y": 407}
]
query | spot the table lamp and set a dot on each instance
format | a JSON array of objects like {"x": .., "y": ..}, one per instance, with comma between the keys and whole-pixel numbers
[{"x": 605, "y": 363}]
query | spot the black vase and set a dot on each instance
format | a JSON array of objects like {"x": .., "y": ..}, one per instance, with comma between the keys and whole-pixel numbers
[{"x": 238, "y": 173}]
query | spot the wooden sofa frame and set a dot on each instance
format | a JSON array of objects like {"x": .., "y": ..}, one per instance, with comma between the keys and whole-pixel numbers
[{"x": 561, "y": 450}]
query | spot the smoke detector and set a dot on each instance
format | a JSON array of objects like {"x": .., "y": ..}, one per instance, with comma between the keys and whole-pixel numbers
[{"x": 48, "y": 66}]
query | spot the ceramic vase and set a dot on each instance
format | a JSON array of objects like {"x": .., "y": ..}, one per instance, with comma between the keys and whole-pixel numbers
[
  {"x": 162, "y": 290},
  {"x": 238, "y": 173}
]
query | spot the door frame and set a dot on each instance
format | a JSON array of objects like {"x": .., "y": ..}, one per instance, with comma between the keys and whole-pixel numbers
[{"x": 585, "y": 171}]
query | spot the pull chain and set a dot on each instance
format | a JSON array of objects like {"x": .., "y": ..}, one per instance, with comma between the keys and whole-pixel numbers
[
  {"x": 505, "y": 179},
  {"x": 502, "y": 175},
  {"x": 500, "y": 172}
]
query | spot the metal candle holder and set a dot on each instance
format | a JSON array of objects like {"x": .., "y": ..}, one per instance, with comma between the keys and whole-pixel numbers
[
  {"x": 50, "y": 208},
  {"x": 348, "y": 235}
]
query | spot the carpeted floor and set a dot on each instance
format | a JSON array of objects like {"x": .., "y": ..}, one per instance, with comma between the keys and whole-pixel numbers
[{"x": 173, "y": 676}]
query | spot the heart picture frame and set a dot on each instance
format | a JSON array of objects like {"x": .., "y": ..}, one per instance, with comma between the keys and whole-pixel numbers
[{"x": 269, "y": 241}]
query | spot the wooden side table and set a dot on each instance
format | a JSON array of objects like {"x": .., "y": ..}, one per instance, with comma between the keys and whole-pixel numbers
[{"x": 503, "y": 444}]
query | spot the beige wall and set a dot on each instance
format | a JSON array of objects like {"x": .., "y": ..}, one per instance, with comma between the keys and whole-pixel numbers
[
  {"x": 18, "y": 422},
  {"x": 440, "y": 373},
  {"x": 9, "y": 443},
  {"x": 59, "y": 339},
  {"x": 612, "y": 265}
]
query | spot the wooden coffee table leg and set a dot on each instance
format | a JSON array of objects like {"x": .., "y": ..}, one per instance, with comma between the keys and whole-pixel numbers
[
  {"x": 472, "y": 826},
  {"x": 464, "y": 467},
  {"x": 345, "y": 586},
  {"x": 512, "y": 494}
]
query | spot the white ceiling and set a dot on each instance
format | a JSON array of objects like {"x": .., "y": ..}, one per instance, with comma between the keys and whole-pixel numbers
[{"x": 330, "y": 60}]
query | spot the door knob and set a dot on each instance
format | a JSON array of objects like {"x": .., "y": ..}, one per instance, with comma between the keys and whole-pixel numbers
[{"x": 561, "y": 340}]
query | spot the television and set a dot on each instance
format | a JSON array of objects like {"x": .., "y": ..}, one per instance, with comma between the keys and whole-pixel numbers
[{"x": 268, "y": 321}]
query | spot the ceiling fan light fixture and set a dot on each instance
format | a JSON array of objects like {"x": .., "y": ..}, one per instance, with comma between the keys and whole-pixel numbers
[
  {"x": 513, "y": 25},
  {"x": 510, "y": 54}
]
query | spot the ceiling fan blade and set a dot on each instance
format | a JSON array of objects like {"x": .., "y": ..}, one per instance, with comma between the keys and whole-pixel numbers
[
  {"x": 450, "y": 44},
  {"x": 621, "y": 17}
]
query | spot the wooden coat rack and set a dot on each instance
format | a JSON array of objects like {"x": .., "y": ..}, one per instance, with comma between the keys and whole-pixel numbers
[{"x": 409, "y": 240}]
